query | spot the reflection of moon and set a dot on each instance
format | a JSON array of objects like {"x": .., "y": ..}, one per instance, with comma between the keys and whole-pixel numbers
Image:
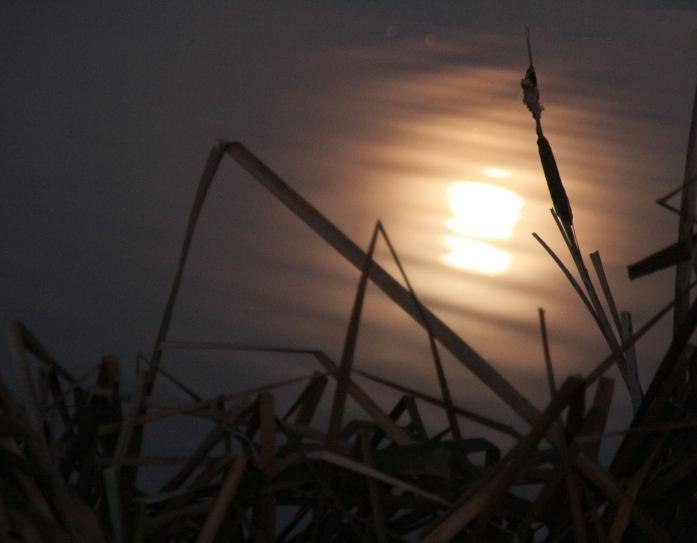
[
  {"x": 479, "y": 256},
  {"x": 483, "y": 211}
]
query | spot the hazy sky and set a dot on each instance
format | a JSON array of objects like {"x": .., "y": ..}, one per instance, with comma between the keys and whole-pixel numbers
[{"x": 370, "y": 110}]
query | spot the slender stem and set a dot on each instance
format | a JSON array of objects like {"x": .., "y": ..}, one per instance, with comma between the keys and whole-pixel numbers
[{"x": 548, "y": 359}]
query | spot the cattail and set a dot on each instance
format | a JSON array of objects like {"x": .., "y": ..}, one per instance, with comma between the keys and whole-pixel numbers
[
  {"x": 556, "y": 188},
  {"x": 531, "y": 98}
]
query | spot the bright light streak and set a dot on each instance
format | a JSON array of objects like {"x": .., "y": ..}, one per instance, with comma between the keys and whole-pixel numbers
[
  {"x": 477, "y": 256},
  {"x": 496, "y": 173},
  {"x": 482, "y": 210}
]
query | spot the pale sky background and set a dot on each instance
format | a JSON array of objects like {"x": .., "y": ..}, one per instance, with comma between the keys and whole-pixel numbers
[{"x": 370, "y": 110}]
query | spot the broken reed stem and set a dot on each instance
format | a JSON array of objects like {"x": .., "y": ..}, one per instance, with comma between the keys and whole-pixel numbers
[
  {"x": 597, "y": 308},
  {"x": 602, "y": 278},
  {"x": 594, "y": 306},
  {"x": 630, "y": 362}
]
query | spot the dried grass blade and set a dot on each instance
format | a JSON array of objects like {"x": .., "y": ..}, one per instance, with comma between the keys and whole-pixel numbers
[
  {"x": 573, "y": 425},
  {"x": 605, "y": 364},
  {"x": 440, "y": 372},
  {"x": 231, "y": 419},
  {"x": 36, "y": 439},
  {"x": 154, "y": 460},
  {"x": 660, "y": 260},
  {"x": 265, "y": 512},
  {"x": 133, "y": 410},
  {"x": 58, "y": 396},
  {"x": 222, "y": 501},
  {"x": 542, "y": 501},
  {"x": 362, "y": 469},
  {"x": 307, "y": 402},
  {"x": 480, "y": 419},
  {"x": 416, "y": 426},
  {"x": 346, "y": 363},
  {"x": 627, "y": 365},
  {"x": 622, "y": 516},
  {"x": 605, "y": 286},
  {"x": 670, "y": 476},
  {"x": 627, "y": 332},
  {"x": 683, "y": 271},
  {"x": 658, "y": 394},
  {"x": 577, "y": 514},
  {"x": 126, "y": 439},
  {"x": 376, "y": 508},
  {"x": 113, "y": 499},
  {"x": 663, "y": 200},
  {"x": 187, "y": 390},
  {"x": 363, "y": 399},
  {"x": 598, "y": 311},
  {"x": 595, "y": 518},
  {"x": 607, "y": 485},
  {"x": 215, "y": 156},
  {"x": 681, "y": 424},
  {"x": 570, "y": 389},
  {"x": 568, "y": 275},
  {"x": 267, "y": 429},
  {"x": 191, "y": 408},
  {"x": 599, "y": 315},
  {"x": 483, "y": 501},
  {"x": 10, "y": 454},
  {"x": 321, "y": 504},
  {"x": 16, "y": 342},
  {"x": 548, "y": 358},
  {"x": 35, "y": 347},
  {"x": 398, "y": 435},
  {"x": 597, "y": 415}
]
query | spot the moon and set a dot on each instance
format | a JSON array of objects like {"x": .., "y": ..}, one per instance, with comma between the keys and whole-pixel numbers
[{"x": 482, "y": 212}]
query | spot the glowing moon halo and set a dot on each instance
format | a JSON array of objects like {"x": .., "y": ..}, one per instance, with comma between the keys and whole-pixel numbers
[
  {"x": 482, "y": 210},
  {"x": 485, "y": 212}
]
